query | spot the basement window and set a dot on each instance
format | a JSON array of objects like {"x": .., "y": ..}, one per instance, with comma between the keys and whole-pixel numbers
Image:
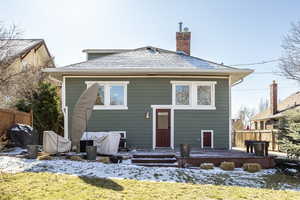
[
  {"x": 112, "y": 95},
  {"x": 193, "y": 95}
]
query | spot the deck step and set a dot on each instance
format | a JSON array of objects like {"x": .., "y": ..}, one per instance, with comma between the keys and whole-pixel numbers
[
  {"x": 157, "y": 164},
  {"x": 153, "y": 155},
  {"x": 153, "y": 160}
]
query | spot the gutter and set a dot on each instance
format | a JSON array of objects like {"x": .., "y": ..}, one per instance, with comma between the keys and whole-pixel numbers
[
  {"x": 149, "y": 70},
  {"x": 240, "y": 81}
]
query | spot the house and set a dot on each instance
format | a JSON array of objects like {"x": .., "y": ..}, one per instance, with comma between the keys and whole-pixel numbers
[
  {"x": 237, "y": 124},
  {"x": 269, "y": 118},
  {"x": 161, "y": 98},
  {"x": 17, "y": 57}
]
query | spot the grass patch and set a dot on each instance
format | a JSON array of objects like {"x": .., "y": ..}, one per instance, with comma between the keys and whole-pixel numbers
[{"x": 49, "y": 186}]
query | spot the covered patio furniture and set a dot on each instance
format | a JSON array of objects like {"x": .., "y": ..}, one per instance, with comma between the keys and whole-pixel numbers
[
  {"x": 54, "y": 143},
  {"x": 107, "y": 143}
]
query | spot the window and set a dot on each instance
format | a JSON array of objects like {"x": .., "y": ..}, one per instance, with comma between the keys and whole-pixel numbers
[
  {"x": 204, "y": 95},
  {"x": 182, "y": 95},
  {"x": 207, "y": 139},
  {"x": 111, "y": 95},
  {"x": 193, "y": 94},
  {"x": 117, "y": 95},
  {"x": 262, "y": 125},
  {"x": 162, "y": 120},
  {"x": 100, "y": 96}
]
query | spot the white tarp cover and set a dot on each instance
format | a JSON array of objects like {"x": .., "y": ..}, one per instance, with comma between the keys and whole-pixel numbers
[
  {"x": 54, "y": 143},
  {"x": 107, "y": 143},
  {"x": 82, "y": 112}
]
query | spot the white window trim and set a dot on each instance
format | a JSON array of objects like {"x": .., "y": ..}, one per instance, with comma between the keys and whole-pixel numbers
[
  {"x": 212, "y": 137},
  {"x": 193, "y": 95},
  {"x": 107, "y": 85}
]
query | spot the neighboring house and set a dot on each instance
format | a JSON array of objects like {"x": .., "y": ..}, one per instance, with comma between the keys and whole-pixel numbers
[
  {"x": 161, "y": 98},
  {"x": 269, "y": 118},
  {"x": 19, "y": 56},
  {"x": 237, "y": 124}
]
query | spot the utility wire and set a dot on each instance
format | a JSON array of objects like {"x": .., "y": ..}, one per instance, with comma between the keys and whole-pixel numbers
[
  {"x": 255, "y": 63},
  {"x": 267, "y": 72},
  {"x": 248, "y": 90}
]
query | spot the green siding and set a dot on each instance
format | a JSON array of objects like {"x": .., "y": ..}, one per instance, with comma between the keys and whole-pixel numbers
[
  {"x": 142, "y": 93},
  {"x": 189, "y": 123}
]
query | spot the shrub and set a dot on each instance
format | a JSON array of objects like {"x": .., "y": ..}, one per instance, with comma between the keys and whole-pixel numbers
[
  {"x": 45, "y": 105},
  {"x": 23, "y": 105},
  {"x": 228, "y": 166},
  {"x": 207, "y": 166},
  {"x": 76, "y": 158},
  {"x": 252, "y": 167},
  {"x": 104, "y": 160},
  {"x": 44, "y": 157}
]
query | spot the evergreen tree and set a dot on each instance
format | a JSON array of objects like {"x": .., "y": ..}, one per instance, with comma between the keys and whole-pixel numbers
[
  {"x": 45, "y": 104},
  {"x": 289, "y": 134}
]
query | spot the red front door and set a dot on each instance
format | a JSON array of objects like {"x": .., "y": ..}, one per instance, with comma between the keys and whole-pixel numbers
[
  {"x": 207, "y": 140},
  {"x": 163, "y": 128}
]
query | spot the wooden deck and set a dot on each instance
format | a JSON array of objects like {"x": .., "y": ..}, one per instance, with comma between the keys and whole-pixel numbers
[{"x": 199, "y": 156}]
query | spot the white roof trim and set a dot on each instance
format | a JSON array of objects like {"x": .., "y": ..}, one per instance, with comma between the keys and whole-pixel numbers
[{"x": 141, "y": 69}]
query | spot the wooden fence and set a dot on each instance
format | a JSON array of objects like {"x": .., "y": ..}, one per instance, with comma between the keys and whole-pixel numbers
[
  {"x": 239, "y": 137},
  {"x": 9, "y": 117}
]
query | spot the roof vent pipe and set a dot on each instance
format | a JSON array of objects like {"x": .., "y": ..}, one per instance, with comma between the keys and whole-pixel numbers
[{"x": 180, "y": 26}]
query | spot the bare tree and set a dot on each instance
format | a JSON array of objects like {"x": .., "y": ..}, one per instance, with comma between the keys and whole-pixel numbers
[
  {"x": 245, "y": 114},
  {"x": 17, "y": 82},
  {"x": 290, "y": 60},
  {"x": 263, "y": 105},
  {"x": 27, "y": 82},
  {"x": 7, "y": 46}
]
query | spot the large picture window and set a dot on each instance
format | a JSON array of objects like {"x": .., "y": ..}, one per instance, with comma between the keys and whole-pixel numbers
[
  {"x": 111, "y": 95},
  {"x": 193, "y": 94}
]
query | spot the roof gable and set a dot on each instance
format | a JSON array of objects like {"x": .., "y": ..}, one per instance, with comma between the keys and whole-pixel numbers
[
  {"x": 16, "y": 47},
  {"x": 288, "y": 103}
]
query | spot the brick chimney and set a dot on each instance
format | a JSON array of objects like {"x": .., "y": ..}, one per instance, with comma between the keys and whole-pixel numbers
[
  {"x": 273, "y": 98},
  {"x": 183, "y": 40}
]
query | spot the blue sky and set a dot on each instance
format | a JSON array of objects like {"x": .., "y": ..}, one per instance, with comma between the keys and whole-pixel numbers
[{"x": 228, "y": 31}]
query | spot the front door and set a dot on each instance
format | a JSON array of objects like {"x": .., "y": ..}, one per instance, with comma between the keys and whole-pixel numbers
[{"x": 163, "y": 128}]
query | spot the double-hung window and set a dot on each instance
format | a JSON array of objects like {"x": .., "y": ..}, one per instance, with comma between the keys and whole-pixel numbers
[
  {"x": 193, "y": 94},
  {"x": 111, "y": 95}
]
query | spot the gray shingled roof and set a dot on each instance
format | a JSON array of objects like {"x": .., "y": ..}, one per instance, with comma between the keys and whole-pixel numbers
[
  {"x": 149, "y": 60},
  {"x": 16, "y": 47},
  {"x": 148, "y": 57}
]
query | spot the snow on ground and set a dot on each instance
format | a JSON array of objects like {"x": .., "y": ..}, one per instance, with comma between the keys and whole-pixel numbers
[
  {"x": 126, "y": 170},
  {"x": 14, "y": 151}
]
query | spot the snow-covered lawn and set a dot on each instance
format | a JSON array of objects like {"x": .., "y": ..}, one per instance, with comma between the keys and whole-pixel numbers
[{"x": 128, "y": 171}]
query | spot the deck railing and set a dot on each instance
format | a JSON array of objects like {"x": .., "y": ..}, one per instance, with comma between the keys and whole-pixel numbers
[{"x": 239, "y": 137}]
